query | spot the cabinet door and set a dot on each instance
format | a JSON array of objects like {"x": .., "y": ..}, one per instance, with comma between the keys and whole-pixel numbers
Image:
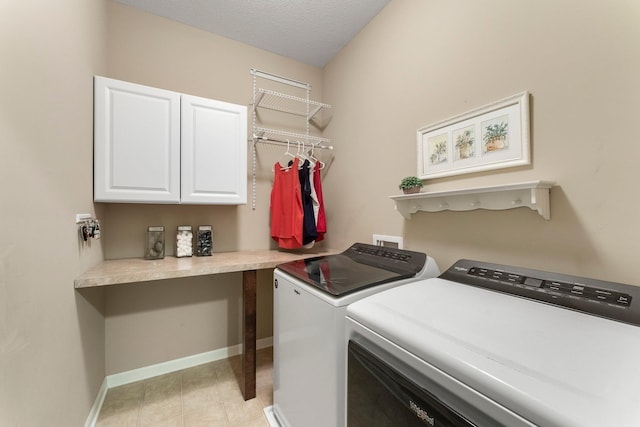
[
  {"x": 136, "y": 143},
  {"x": 213, "y": 152}
]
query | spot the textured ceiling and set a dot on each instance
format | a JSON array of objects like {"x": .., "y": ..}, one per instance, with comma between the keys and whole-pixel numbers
[{"x": 306, "y": 30}]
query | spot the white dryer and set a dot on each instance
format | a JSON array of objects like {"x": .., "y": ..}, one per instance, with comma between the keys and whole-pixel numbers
[
  {"x": 310, "y": 300},
  {"x": 494, "y": 345}
]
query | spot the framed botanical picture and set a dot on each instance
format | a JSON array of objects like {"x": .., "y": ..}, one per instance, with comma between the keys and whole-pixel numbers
[{"x": 490, "y": 137}]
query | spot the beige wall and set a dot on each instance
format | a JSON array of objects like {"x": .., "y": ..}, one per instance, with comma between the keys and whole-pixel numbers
[
  {"x": 51, "y": 337},
  {"x": 165, "y": 320},
  {"x": 419, "y": 62}
]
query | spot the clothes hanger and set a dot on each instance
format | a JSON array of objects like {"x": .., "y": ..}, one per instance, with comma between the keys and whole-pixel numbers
[
  {"x": 301, "y": 155},
  {"x": 285, "y": 157},
  {"x": 314, "y": 158}
]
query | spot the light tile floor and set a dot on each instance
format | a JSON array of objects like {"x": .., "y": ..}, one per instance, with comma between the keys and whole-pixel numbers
[{"x": 205, "y": 395}]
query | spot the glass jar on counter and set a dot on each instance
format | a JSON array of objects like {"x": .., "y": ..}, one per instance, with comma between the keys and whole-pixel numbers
[
  {"x": 155, "y": 243},
  {"x": 184, "y": 241},
  {"x": 204, "y": 241}
]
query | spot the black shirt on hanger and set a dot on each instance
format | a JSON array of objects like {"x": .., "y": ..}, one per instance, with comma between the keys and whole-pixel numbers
[{"x": 309, "y": 230}]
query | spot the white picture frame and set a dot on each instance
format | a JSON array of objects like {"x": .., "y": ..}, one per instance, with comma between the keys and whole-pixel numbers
[{"x": 493, "y": 136}]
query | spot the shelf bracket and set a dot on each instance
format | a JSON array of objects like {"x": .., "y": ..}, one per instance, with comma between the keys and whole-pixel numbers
[
  {"x": 259, "y": 97},
  {"x": 314, "y": 112}
]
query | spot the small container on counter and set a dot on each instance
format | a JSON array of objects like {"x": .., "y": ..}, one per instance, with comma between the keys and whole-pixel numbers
[
  {"x": 155, "y": 243},
  {"x": 184, "y": 241},
  {"x": 204, "y": 241}
]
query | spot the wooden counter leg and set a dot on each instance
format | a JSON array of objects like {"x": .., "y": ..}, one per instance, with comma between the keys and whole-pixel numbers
[{"x": 249, "y": 291}]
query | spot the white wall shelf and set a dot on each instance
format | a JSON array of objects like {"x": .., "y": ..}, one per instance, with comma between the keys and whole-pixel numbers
[
  {"x": 288, "y": 103},
  {"x": 533, "y": 194},
  {"x": 264, "y": 134}
]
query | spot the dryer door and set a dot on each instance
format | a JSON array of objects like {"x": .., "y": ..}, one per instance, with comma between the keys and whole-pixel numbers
[{"x": 381, "y": 396}]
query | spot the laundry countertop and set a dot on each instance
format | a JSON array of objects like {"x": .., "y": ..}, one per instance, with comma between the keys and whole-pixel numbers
[{"x": 113, "y": 272}]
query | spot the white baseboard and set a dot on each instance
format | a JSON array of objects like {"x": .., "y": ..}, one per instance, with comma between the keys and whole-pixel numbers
[
  {"x": 151, "y": 371},
  {"x": 271, "y": 416},
  {"x": 97, "y": 405}
]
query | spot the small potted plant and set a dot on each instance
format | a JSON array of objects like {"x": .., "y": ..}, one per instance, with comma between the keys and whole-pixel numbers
[{"x": 410, "y": 185}]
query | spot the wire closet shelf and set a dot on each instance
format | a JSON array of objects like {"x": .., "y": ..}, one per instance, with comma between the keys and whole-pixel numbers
[{"x": 285, "y": 103}]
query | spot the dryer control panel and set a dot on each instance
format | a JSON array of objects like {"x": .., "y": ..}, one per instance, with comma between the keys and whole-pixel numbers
[{"x": 611, "y": 300}]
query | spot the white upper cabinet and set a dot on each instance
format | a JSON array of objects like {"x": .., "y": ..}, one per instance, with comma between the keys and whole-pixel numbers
[
  {"x": 214, "y": 151},
  {"x": 147, "y": 149},
  {"x": 136, "y": 143}
]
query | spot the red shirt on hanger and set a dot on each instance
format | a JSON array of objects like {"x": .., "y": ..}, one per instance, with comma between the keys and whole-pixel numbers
[{"x": 286, "y": 207}]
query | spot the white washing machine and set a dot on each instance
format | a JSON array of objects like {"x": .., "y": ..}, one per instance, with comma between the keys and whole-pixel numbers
[
  {"x": 310, "y": 299},
  {"x": 495, "y": 345}
]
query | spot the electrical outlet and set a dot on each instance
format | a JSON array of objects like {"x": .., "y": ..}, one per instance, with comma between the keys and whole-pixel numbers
[{"x": 389, "y": 241}]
